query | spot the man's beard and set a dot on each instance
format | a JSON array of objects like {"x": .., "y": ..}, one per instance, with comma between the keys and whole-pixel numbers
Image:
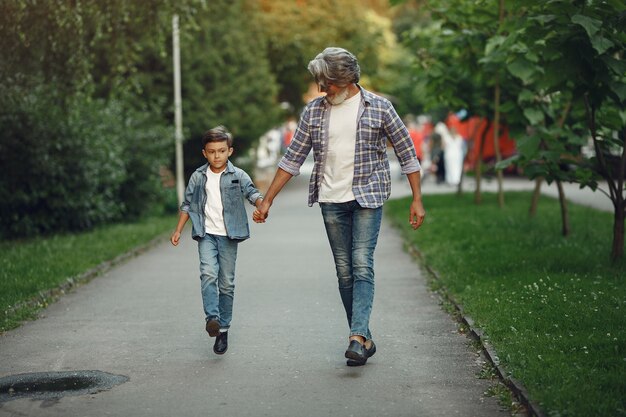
[{"x": 339, "y": 97}]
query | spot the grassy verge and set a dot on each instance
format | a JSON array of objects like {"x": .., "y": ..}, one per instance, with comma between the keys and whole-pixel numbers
[
  {"x": 34, "y": 266},
  {"x": 552, "y": 307}
]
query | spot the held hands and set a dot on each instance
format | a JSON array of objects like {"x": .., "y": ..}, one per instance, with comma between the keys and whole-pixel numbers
[
  {"x": 261, "y": 212},
  {"x": 416, "y": 214}
]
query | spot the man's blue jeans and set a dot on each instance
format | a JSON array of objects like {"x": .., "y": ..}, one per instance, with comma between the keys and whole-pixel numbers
[
  {"x": 353, "y": 232},
  {"x": 218, "y": 255}
]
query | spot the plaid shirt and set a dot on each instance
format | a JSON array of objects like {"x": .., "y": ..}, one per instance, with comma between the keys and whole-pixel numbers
[{"x": 377, "y": 122}]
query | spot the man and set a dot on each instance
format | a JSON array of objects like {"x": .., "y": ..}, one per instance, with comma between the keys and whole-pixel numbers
[{"x": 348, "y": 131}]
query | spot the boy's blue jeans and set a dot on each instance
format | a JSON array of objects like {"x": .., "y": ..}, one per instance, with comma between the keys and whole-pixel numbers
[
  {"x": 218, "y": 255},
  {"x": 353, "y": 232}
]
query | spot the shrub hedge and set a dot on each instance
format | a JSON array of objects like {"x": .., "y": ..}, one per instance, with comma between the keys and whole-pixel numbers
[{"x": 75, "y": 163}]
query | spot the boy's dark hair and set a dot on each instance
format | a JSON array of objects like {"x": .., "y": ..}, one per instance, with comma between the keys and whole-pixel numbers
[{"x": 217, "y": 134}]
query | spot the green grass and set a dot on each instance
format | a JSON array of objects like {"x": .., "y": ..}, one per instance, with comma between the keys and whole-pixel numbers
[
  {"x": 33, "y": 266},
  {"x": 552, "y": 307}
]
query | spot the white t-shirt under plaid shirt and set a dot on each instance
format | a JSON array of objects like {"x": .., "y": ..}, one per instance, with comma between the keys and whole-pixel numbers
[{"x": 339, "y": 167}]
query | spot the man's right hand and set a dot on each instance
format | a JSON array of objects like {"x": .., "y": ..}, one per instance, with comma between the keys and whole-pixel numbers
[{"x": 175, "y": 239}]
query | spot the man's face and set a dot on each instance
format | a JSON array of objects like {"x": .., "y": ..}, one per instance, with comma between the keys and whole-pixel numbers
[
  {"x": 335, "y": 94},
  {"x": 217, "y": 154}
]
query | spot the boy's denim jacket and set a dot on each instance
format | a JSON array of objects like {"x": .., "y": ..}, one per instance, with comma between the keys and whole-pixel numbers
[{"x": 235, "y": 184}]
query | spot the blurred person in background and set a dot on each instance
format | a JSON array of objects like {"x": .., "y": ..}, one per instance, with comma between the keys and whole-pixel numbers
[
  {"x": 453, "y": 154},
  {"x": 437, "y": 155}
]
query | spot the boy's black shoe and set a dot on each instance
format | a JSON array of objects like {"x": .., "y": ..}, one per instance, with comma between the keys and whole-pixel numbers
[
  {"x": 213, "y": 327},
  {"x": 221, "y": 343},
  {"x": 368, "y": 354}
]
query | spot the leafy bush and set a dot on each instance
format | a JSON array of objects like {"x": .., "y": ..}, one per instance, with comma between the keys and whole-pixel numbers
[
  {"x": 148, "y": 147},
  {"x": 74, "y": 163}
]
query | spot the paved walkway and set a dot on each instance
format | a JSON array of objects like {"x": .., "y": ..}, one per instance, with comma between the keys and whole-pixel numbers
[{"x": 143, "y": 319}]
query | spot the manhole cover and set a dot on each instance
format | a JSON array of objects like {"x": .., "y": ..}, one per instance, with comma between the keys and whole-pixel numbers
[{"x": 46, "y": 385}]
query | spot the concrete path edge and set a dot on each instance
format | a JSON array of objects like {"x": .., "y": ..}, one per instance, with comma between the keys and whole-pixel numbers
[{"x": 516, "y": 387}]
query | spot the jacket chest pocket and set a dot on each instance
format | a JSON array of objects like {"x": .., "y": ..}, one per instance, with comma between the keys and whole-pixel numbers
[
  {"x": 232, "y": 190},
  {"x": 232, "y": 196}
]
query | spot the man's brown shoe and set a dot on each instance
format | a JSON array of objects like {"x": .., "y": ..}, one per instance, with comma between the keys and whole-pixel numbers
[{"x": 213, "y": 327}]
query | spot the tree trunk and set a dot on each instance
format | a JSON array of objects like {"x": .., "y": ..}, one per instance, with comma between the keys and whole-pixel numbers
[
  {"x": 539, "y": 180},
  {"x": 617, "y": 250},
  {"x": 535, "y": 199},
  {"x": 615, "y": 181},
  {"x": 564, "y": 213}
]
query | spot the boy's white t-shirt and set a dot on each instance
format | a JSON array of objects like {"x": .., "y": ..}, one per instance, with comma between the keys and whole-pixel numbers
[
  {"x": 213, "y": 209},
  {"x": 339, "y": 169}
]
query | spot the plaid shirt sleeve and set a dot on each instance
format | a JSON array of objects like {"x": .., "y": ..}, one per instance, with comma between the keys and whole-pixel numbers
[
  {"x": 299, "y": 147},
  {"x": 401, "y": 141}
]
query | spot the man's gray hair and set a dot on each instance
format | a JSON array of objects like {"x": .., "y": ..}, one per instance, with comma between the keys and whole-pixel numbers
[{"x": 336, "y": 65}]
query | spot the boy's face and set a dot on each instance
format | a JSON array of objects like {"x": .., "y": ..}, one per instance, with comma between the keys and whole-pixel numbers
[{"x": 217, "y": 154}]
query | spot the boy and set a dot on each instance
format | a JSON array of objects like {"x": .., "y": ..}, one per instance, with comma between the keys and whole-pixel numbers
[{"x": 214, "y": 200}]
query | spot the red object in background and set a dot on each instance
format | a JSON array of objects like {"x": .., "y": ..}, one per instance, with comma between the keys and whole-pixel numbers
[
  {"x": 427, "y": 129},
  {"x": 417, "y": 136},
  {"x": 473, "y": 129},
  {"x": 287, "y": 137}
]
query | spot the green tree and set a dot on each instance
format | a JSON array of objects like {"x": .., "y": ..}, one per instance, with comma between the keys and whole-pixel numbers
[
  {"x": 556, "y": 74},
  {"x": 298, "y": 30},
  {"x": 226, "y": 77},
  {"x": 456, "y": 57},
  {"x": 569, "y": 57},
  {"x": 85, "y": 46},
  {"x": 75, "y": 156},
  {"x": 103, "y": 72}
]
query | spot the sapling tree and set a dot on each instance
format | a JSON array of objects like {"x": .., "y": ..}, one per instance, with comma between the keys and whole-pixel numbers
[{"x": 569, "y": 56}]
